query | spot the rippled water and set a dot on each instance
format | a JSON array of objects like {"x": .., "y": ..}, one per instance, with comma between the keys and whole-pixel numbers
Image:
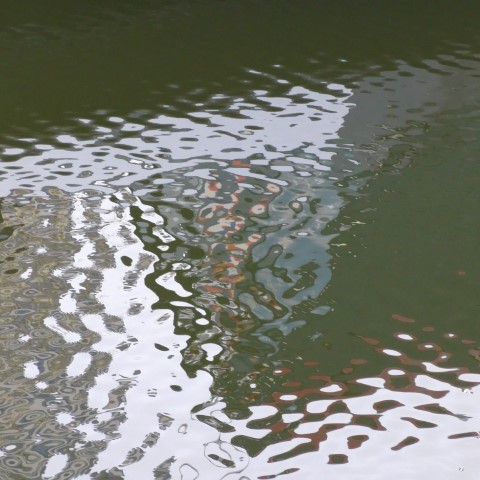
[{"x": 249, "y": 258}]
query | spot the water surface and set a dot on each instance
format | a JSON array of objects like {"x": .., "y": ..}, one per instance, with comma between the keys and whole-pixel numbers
[{"x": 239, "y": 240}]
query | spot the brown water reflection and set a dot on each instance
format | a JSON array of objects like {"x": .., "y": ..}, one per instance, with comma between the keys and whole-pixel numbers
[{"x": 391, "y": 407}]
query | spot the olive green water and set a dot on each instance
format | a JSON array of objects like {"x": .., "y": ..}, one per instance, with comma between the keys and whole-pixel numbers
[{"x": 239, "y": 240}]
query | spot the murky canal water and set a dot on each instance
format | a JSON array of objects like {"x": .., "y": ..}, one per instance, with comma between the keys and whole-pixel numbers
[{"x": 240, "y": 240}]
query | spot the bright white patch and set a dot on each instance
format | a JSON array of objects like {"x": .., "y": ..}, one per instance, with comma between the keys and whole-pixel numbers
[
  {"x": 372, "y": 382},
  {"x": 395, "y": 372},
  {"x": 431, "y": 384},
  {"x": 308, "y": 427},
  {"x": 26, "y": 274},
  {"x": 79, "y": 364},
  {"x": 177, "y": 303},
  {"x": 94, "y": 322},
  {"x": 167, "y": 280},
  {"x": 163, "y": 235},
  {"x": 55, "y": 465},
  {"x": 292, "y": 417},
  {"x": 339, "y": 418},
  {"x": 76, "y": 282},
  {"x": 212, "y": 350},
  {"x": 13, "y": 151},
  {"x": 67, "y": 303},
  {"x": 434, "y": 369},
  {"x": 132, "y": 127},
  {"x": 470, "y": 377},
  {"x": 66, "y": 139},
  {"x": 116, "y": 119},
  {"x": 81, "y": 259},
  {"x": 392, "y": 353},
  {"x": 152, "y": 216},
  {"x": 65, "y": 418},
  {"x": 288, "y": 398},
  {"x": 283, "y": 168},
  {"x": 58, "y": 272},
  {"x": 331, "y": 388},
  {"x": 262, "y": 411},
  {"x": 31, "y": 370}
]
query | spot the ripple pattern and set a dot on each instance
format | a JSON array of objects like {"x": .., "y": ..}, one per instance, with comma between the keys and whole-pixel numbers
[{"x": 155, "y": 267}]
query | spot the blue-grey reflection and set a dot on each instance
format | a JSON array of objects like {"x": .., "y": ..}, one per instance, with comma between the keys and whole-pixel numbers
[{"x": 148, "y": 300}]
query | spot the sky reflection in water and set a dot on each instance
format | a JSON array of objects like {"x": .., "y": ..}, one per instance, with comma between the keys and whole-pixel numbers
[{"x": 163, "y": 293}]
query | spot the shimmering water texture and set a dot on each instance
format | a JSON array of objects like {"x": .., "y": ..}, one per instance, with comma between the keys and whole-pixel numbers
[
  {"x": 273, "y": 273},
  {"x": 111, "y": 328}
]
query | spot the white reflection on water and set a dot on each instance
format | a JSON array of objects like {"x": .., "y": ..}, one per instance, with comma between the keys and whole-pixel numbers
[
  {"x": 133, "y": 405},
  {"x": 133, "y": 411},
  {"x": 297, "y": 126},
  {"x": 157, "y": 423},
  {"x": 449, "y": 448}
]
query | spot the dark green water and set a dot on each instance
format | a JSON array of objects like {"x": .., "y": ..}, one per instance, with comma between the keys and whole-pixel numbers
[{"x": 239, "y": 240}]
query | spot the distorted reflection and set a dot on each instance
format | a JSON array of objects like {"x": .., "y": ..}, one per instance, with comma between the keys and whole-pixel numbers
[{"x": 164, "y": 309}]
